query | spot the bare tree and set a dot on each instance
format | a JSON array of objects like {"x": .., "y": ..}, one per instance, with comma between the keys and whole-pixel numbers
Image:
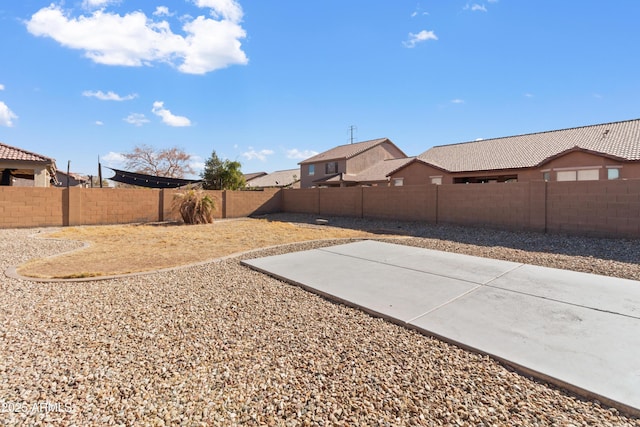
[{"x": 168, "y": 162}]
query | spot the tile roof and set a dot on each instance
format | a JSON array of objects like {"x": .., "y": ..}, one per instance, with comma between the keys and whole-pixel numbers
[
  {"x": 276, "y": 179},
  {"x": 249, "y": 176},
  {"x": 8, "y": 152},
  {"x": 618, "y": 139},
  {"x": 380, "y": 170},
  {"x": 346, "y": 151}
]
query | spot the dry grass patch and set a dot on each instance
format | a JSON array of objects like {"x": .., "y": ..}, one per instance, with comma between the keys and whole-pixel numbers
[{"x": 121, "y": 249}]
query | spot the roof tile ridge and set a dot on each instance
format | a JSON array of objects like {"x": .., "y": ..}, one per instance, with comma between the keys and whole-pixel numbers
[
  {"x": 537, "y": 133},
  {"x": 32, "y": 153}
]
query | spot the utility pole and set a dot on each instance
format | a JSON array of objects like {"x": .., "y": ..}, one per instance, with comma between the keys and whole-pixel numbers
[{"x": 351, "y": 129}]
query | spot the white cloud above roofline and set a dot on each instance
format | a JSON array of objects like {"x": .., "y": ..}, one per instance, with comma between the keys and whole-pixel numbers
[
  {"x": 261, "y": 155},
  {"x": 7, "y": 116},
  {"x": 297, "y": 154},
  {"x": 205, "y": 44}
]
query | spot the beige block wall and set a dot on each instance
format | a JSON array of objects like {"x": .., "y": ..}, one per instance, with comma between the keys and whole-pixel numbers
[
  {"x": 245, "y": 203},
  {"x": 341, "y": 201},
  {"x": 406, "y": 203},
  {"x": 93, "y": 206},
  {"x": 602, "y": 208},
  {"x": 303, "y": 200},
  {"x": 505, "y": 205},
  {"x": 30, "y": 207}
]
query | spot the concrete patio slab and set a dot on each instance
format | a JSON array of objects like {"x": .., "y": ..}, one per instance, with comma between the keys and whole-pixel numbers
[{"x": 577, "y": 330}]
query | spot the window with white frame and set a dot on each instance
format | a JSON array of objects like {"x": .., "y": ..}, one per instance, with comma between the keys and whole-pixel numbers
[
  {"x": 312, "y": 170},
  {"x": 436, "y": 180},
  {"x": 398, "y": 182}
]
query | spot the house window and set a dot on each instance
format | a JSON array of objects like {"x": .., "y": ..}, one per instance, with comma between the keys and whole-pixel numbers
[
  {"x": 312, "y": 170},
  {"x": 566, "y": 175},
  {"x": 398, "y": 182},
  {"x": 613, "y": 173},
  {"x": 331, "y": 167},
  {"x": 588, "y": 175},
  {"x": 436, "y": 180},
  {"x": 546, "y": 176}
]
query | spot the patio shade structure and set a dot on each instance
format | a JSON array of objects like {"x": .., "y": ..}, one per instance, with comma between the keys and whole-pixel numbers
[{"x": 149, "y": 181}]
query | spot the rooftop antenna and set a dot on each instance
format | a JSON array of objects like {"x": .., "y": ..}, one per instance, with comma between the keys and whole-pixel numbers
[{"x": 351, "y": 129}]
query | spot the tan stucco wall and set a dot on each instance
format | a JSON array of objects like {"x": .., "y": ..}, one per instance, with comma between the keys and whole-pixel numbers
[
  {"x": 40, "y": 173},
  {"x": 418, "y": 173},
  {"x": 372, "y": 156},
  {"x": 354, "y": 165}
]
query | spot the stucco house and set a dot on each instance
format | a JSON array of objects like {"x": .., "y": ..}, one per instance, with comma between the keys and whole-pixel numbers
[
  {"x": 72, "y": 179},
  {"x": 289, "y": 178},
  {"x": 596, "y": 152},
  {"x": 345, "y": 165},
  {"x": 25, "y": 167}
]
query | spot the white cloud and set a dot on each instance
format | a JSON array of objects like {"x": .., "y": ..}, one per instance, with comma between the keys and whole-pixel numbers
[
  {"x": 475, "y": 7},
  {"x": 99, "y": 123},
  {"x": 113, "y": 159},
  {"x": 136, "y": 119},
  {"x": 169, "y": 118},
  {"x": 97, "y": 4},
  {"x": 420, "y": 37},
  {"x": 109, "y": 96},
  {"x": 300, "y": 155},
  {"x": 225, "y": 9},
  {"x": 260, "y": 155},
  {"x": 457, "y": 101},
  {"x": 6, "y": 115},
  {"x": 528, "y": 95},
  {"x": 1, "y": 87},
  {"x": 197, "y": 163},
  {"x": 162, "y": 11},
  {"x": 134, "y": 39}
]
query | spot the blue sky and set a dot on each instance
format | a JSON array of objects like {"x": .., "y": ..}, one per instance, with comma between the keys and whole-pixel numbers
[{"x": 269, "y": 83}]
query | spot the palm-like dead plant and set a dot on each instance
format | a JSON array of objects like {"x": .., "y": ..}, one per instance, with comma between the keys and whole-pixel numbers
[{"x": 195, "y": 207}]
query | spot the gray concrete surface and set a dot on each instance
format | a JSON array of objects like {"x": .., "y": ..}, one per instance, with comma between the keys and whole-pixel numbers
[{"x": 579, "y": 331}]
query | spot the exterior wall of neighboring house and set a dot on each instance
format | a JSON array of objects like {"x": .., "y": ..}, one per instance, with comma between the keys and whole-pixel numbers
[
  {"x": 353, "y": 165},
  {"x": 320, "y": 170},
  {"x": 586, "y": 166},
  {"x": 417, "y": 173},
  {"x": 573, "y": 166},
  {"x": 73, "y": 180},
  {"x": 374, "y": 155},
  {"x": 41, "y": 176}
]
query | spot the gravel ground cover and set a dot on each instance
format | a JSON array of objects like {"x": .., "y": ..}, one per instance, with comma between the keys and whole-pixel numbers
[{"x": 220, "y": 344}]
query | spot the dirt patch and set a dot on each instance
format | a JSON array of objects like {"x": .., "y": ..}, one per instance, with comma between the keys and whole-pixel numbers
[{"x": 121, "y": 249}]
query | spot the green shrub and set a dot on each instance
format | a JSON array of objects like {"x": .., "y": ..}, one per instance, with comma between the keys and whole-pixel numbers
[{"x": 195, "y": 207}]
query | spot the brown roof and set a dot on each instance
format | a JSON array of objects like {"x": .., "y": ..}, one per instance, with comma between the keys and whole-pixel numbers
[
  {"x": 346, "y": 151},
  {"x": 620, "y": 140},
  {"x": 8, "y": 152},
  {"x": 249, "y": 176},
  {"x": 381, "y": 170},
  {"x": 276, "y": 179}
]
